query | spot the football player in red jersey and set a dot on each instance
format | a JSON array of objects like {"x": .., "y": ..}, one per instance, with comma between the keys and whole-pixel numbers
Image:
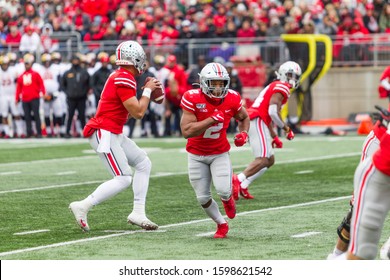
[
  {"x": 206, "y": 116},
  {"x": 265, "y": 110},
  {"x": 371, "y": 203},
  {"x": 117, "y": 152},
  {"x": 370, "y": 146}
]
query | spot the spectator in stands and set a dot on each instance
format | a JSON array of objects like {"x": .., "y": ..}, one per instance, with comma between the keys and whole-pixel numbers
[
  {"x": 384, "y": 19},
  {"x": 81, "y": 21},
  {"x": 204, "y": 30},
  {"x": 14, "y": 36},
  {"x": 94, "y": 33},
  {"x": 12, "y": 7},
  {"x": 308, "y": 27},
  {"x": 30, "y": 41},
  {"x": 110, "y": 34},
  {"x": 3, "y": 35},
  {"x": 75, "y": 84},
  {"x": 231, "y": 29},
  {"x": 128, "y": 32},
  {"x": 370, "y": 22},
  {"x": 327, "y": 26},
  {"x": 275, "y": 29},
  {"x": 246, "y": 31},
  {"x": 48, "y": 43}
]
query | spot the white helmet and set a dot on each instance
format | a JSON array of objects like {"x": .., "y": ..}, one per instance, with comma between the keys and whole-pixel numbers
[
  {"x": 131, "y": 53},
  {"x": 290, "y": 72},
  {"x": 214, "y": 72}
]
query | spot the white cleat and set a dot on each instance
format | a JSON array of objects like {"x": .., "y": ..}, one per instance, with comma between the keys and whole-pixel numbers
[
  {"x": 384, "y": 253},
  {"x": 80, "y": 214},
  {"x": 141, "y": 221}
]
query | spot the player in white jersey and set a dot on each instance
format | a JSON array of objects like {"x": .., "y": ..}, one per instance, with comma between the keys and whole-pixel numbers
[
  {"x": 52, "y": 107},
  {"x": 8, "y": 76},
  {"x": 61, "y": 67}
]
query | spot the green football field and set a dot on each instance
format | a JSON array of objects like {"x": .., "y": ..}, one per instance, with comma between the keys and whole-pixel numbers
[{"x": 298, "y": 204}]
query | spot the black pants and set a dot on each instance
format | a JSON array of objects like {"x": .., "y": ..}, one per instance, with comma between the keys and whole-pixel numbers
[
  {"x": 28, "y": 108},
  {"x": 174, "y": 127},
  {"x": 73, "y": 104}
]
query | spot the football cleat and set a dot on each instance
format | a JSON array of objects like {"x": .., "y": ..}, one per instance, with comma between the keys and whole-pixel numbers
[
  {"x": 80, "y": 214},
  {"x": 230, "y": 207},
  {"x": 236, "y": 186},
  {"x": 222, "y": 230},
  {"x": 385, "y": 251},
  {"x": 245, "y": 194},
  {"x": 141, "y": 221}
]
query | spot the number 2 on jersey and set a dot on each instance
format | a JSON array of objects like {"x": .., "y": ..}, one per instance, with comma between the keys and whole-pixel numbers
[{"x": 213, "y": 131}]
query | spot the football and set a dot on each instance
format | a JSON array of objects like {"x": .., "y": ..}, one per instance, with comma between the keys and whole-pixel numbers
[{"x": 157, "y": 95}]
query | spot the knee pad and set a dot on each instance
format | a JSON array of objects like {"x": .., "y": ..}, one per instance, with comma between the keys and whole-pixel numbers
[
  {"x": 224, "y": 194},
  {"x": 124, "y": 181},
  {"x": 144, "y": 165},
  {"x": 203, "y": 199}
]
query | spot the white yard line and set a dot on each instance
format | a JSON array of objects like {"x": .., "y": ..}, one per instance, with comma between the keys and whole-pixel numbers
[
  {"x": 51, "y": 187},
  {"x": 61, "y": 244},
  {"x": 179, "y": 173},
  {"x": 66, "y": 173},
  {"x": 210, "y": 233},
  {"x": 305, "y": 234},
  {"x": 10, "y": 173},
  {"x": 304, "y": 172},
  {"x": 31, "y": 232}
]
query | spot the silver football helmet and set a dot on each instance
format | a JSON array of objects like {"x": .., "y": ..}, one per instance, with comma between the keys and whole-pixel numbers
[
  {"x": 131, "y": 53},
  {"x": 214, "y": 72},
  {"x": 290, "y": 72}
]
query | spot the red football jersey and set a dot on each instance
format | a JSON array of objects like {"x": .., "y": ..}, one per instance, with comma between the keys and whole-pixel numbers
[
  {"x": 111, "y": 115},
  {"x": 213, "y": 140},
  {"x": 381, "y": 158},
  {"x": 260, "y": 106}
]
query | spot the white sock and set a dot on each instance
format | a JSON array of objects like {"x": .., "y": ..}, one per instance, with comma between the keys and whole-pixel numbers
[
  {"x": 249, "y": 180},
  {"x": 139, "y": 208},
  {"x": 337, "y": 252},
  {"x": 141, "y": 180},
  {"x": 241, "y": 177},
  {"x": 109, "y": 188},
  {"x": 6, "y": 129},
  {"x": 214, "y": 213},
  {"x": 19, "y": 127}
]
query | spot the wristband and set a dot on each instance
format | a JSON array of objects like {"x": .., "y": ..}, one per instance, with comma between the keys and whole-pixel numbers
[{"x": 147, "y": 92}]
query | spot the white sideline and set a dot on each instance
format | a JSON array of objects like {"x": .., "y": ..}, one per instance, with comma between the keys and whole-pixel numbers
[
  {"x": 177, "y": 173},
  {"x": 168, "y": 226}
]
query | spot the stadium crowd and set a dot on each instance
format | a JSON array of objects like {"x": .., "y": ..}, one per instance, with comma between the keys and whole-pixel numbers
[
  {"x": 27, "y": 26},
  {"x": 162, "y": 22}
]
